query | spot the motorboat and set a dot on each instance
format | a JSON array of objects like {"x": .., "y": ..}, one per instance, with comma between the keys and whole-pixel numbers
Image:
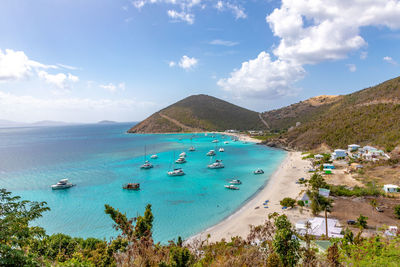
[
  {"x": 215, "y": 141},
  {"x": 216, "y": 165},
  {"x": 191, "y": 149},
  {"x": 131, "y": 186},
  {"x": 221, "y": 149},
  {"x": 182, "y": 155},
  {"x": 62, "y": 184},
  {"x": 180, "y": 160},
  {"x": 231, "y": 187},
  {"x": 226, "y": 142},
  {"x": 155, "y": 156},
  {"x": 176, "y": 172},
  {"x": 146, "y": 165},
  {"x": 211, "y": 153},
  {"x": 258, "y": 171},
  {"x": 235, "y": 181}
]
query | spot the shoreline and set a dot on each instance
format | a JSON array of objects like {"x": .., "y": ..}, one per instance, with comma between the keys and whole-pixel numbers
[{"x": 281, "y": 184}]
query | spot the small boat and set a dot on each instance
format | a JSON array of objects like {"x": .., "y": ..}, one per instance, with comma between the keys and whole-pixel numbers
[
  {"x": 155, "y": 156},
  {"x": 62, "y": 184},
  {"x": 180, "y": 160},
  {"x": 215, "y": 141},
  {"x": 231, "y": 187},
  {"x": 191, "y": 149},
  {"x": 235, "y": 181},
  {"x": 221, "y": 149},
  {"x": 176, "y": 172},
  {"x": 211, "y": 153},
  {"x": 258, "y": 171},
  {"x": 146, "y": 165},
  {"x": 216, "y": 165},
  {"x": 182, "y": 155},
  {"x": 131, "y": 186},
  {"x": 226, "y": 142}
]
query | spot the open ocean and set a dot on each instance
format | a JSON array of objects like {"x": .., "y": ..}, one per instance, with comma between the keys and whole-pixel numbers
[{"x": 100, "y": 158}]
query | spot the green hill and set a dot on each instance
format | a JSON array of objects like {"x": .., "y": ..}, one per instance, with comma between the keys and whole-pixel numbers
[
  {"x": 369, "y": 116},
  {"x": 199, "y": 113}
]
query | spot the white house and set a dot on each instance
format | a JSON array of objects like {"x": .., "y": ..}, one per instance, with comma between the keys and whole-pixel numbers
[
  {"x": 390, "y": 188},
  {"x": 339, "y": 153},
  {"x": 353, "y": 147},
  {"x": 317, "y": 227}
]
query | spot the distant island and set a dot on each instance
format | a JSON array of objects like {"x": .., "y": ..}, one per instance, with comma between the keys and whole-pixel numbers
[{"x": 106, "y": 122}]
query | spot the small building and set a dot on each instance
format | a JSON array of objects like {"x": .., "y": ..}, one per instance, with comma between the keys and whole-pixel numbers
[
  {"x": 390, "y": 188},
  {"x": 329, "y": 166},
  {"x": 327, "y": 171},
  {"x": 353, "y": 147},
  {"x": 391, "y": 231},
  {"x": 318, "y": 157},
  {"x": 317, "y": 227},
  {"x": 306, "y": 200},
  {"x": 339, "y": 153}
]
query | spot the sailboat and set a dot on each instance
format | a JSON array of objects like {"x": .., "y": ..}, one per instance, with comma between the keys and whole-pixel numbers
[
  {"x": 147, "y": 164},
  {"x": 191, "y": 149},
  {"x": 176, "y": 171}
]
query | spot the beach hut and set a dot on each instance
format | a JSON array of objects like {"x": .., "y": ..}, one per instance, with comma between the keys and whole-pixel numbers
[
  {"x": 353, "y": 147},
  {"x": 390, "y": 188},
  {"x": 306, "y": 200},
  {"x": 339, "y": 153}
]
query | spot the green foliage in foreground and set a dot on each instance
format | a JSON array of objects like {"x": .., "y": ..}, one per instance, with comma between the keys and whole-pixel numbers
[
  {"x": 397, "y": 211},
  {"x": 274, "y": 243}
]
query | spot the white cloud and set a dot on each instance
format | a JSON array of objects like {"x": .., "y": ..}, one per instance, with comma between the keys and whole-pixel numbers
[
  {"x": 187, "y": 62},
  {"x": 352, "y": 67},
  {"x": 172, "y": 64},
  {"x": 181, "y": 16},
  {"x": 113, "y": 88},
  {"x": 67, "y": 67},
  {"x": 363, "y": 55},
  {"x": 15, "y": 65},
  {"x": 263, "y": 76},
  {"x": 315, "y": 31},
  {"x": 186, "y": 13},
  {"x": 223, "y": 42},
  {"x": 60, "y": 80},
  {"x": 30, "y": 108},
  {"x": 390, "y": 60}
]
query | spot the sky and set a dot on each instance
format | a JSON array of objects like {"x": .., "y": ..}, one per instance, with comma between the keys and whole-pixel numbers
[{"x": 92, "y": 60}]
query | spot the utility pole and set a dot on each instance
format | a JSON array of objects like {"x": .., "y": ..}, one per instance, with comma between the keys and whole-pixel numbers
[{"x": 326, "y": 223}]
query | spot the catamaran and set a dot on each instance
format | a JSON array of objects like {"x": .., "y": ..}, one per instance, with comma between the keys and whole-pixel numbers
[
  {"x": 181, "y": 160},
  {"x": 211, "y": 153},
  {"x": 216, "y": 165},
  {"x": 176, "y": 172},
  {"x": 147, "y": 164},
  {"x": 62, "y": 184},
  {"x": 231, "y": 187},
  {"x": 221, "y": 149}
]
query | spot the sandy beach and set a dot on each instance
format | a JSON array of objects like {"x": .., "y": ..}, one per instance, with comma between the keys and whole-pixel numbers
[{"x": 281, "y": 184}]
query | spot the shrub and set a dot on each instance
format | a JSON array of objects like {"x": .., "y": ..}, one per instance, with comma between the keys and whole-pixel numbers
[
  {"x": 397, "y": 211},
  {"x": 300, "y": 203},
  {"x": 288, "y": 202},
  {"x": 362, "y": 221}
]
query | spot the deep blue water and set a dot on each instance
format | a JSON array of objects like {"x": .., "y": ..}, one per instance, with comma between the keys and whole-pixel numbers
[{"x": 100, "y": 158}]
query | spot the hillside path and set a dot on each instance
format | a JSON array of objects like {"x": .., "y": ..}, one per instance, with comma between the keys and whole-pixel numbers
[
  {"x": 179, "y": 124},
  {"x": 263, "y": 121}
]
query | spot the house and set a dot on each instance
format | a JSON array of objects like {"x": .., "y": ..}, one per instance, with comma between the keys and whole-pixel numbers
[
  {"x": 353, "y": 147},
  {"x": 390, "y": 188},
  {"x": 306, "y": 200},
  {"x": 328, "y": 166},
  {"x": 339, "y": 153},
  {"x": 318, "y": 157},
  {"x": 316, "y": 226}
]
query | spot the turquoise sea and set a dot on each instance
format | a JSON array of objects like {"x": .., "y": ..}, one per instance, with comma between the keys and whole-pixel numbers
[{"x": 100, "y": 158}]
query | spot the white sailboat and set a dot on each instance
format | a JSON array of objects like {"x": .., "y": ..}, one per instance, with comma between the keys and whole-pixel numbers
[{"x": 147, "y": 164}]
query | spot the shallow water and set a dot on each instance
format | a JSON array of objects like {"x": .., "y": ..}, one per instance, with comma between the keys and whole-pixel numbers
[{"x": 100, "y": 158}]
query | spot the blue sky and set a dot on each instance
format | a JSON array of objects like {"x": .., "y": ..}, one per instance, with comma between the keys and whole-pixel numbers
[{"x": 85, "y": 61}]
